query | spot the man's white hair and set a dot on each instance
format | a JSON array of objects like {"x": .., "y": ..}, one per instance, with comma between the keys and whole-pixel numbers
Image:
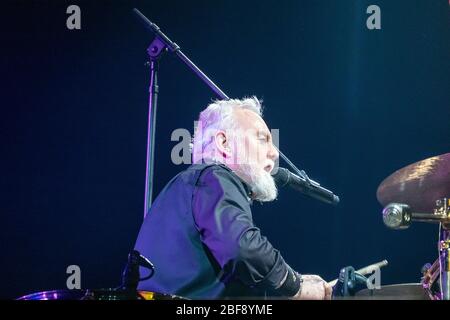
[{"x": 219, "y": 115}]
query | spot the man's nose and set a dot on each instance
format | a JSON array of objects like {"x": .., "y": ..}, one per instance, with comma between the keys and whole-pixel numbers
[{"x": 273, "y": 153}]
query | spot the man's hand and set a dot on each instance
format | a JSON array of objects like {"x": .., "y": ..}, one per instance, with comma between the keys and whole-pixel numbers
[{"x": 313, "y": 288}]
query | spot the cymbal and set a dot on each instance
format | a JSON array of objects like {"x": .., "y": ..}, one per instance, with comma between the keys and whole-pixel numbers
[
  {"x": 418, "y": 185},
  {"x": 406, "y": 291}
]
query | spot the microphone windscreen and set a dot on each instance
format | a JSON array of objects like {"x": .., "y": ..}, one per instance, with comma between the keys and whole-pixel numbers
[{"x": 281, "y": 177}]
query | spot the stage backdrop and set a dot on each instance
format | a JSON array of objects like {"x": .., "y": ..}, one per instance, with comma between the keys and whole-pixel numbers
[{"x": 352, "y": 105}]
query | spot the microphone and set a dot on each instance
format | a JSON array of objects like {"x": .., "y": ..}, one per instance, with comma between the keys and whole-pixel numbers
[{"x": 304, "y": 185}]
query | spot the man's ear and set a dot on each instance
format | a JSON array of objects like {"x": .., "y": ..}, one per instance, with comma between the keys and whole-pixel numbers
[{"x": 222, "y": 144}]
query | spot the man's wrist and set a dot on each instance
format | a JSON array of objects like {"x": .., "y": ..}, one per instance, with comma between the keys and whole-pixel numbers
[
  {"x": 300, "y": 279},
  {"x": 291, "y": 285}
]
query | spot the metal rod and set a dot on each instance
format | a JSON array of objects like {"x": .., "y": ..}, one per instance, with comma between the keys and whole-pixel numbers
[
  {"x": 444, "y": 261},
  {"x": 150, "y": 163}
]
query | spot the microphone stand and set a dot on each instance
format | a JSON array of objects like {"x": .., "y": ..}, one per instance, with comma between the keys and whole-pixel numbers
[
  {"x": 160, "y": 44},
  {"x": 155, "y": 50}
]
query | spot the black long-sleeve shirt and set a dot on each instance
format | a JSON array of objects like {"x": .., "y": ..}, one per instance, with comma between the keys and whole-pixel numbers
[{"x": 201, "y": 238}]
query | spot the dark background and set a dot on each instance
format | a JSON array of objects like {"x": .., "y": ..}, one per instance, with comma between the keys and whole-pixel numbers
[{"x": 352, "y": 106}]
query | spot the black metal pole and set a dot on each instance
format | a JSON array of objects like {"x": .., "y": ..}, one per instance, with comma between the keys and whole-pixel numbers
[{"x": 155, "y": 50}]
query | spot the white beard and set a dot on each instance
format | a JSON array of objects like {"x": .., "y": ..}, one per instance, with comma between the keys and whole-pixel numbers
[{"x": 261, "y": 182}]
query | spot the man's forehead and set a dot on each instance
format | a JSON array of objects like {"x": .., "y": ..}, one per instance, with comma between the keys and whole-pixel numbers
[{"x": 250, "y": 120}]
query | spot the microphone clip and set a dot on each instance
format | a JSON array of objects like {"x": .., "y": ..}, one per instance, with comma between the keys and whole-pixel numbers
[
  {"x": 349, "y": 283},
  {"x": 131, "y": 275}
]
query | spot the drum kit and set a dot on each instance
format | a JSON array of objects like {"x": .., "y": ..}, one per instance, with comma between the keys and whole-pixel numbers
[
  {"x": 101, "y": 294},
  {"x": 418, "y": 192},
  {"x": 421, "y": 192}
]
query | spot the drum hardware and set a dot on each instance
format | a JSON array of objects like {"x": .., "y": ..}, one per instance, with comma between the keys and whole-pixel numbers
[
  {"x": 444, "y": 261},
  {"x": 418, "y": 188},
  {"x": 399, "y": 216},
  {"x": 131, "y": 275},
  {"x": 429, "y": 281},
  {"x": 351, "y": 281},
  {"x": 364, "y": 271}
]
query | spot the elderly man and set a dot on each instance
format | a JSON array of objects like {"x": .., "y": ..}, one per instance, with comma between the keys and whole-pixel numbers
[{"x": 200, "y": 233}]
